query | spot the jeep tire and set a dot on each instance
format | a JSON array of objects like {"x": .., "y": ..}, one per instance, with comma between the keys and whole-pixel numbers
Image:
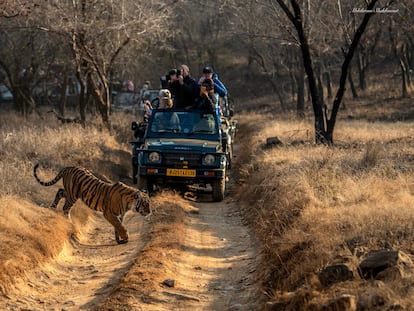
[
  {"x": 145, "y": 183},
  {"x": 134, "y": 174},
  {"x": 219, "y": 186}
]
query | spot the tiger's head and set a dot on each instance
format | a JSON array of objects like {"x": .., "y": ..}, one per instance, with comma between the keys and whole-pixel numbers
[{"x": 142, "y": 203}]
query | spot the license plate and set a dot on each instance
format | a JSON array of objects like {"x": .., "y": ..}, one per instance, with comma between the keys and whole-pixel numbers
[{"x": 181, "y": 172}]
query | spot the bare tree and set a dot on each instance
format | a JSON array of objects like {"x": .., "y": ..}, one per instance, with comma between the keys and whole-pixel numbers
[
  {"x": 24, "y": 55},
  {"x": 97, "y": 33},
  {"x": 367, "y": 45},
  {"x": 324, "y": 124}
]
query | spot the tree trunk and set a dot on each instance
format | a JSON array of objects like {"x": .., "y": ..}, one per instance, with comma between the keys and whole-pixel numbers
[
  {"x": 361, "y": 59},
  {"x": 406, "y": 57},
  {"x": 320, "y": 86},
  {"x": 62, "y": 100},
  {"x": 404, "y": 88},
  {"x": 328, "y": 84},
  {"x": 279, "y": 94},
  {"x": 102, "y": 99},
  {"x": 351, "y": 83},
  {"x": 300, "y": 100},
  {"x": 82, "y": 98},
  {"x": 23, "y": 99}
]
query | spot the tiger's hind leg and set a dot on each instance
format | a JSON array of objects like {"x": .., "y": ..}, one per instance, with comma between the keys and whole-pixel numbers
[
  {"x": 67, "y": 206},
  {"x": 59, "y": 195},
  {"x": 68, "y": 202},
  {"x": 121, "y": 234}
]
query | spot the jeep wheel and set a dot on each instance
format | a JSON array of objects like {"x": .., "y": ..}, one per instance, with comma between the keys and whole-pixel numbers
[
  {"x": 145, "y": 184},
  {"x": 230, "y": 157},
  {"x": 219, "y": 186},
  {"x": 134, "y": 174},
  {"x": 142, "y": 182}
]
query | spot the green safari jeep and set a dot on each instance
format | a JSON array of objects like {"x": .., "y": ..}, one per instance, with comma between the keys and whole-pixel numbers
[{"x": 180, "y": 147}]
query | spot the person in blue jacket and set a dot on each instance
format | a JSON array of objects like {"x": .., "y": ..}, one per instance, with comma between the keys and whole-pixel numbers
[{"x": 219, "y": 87}]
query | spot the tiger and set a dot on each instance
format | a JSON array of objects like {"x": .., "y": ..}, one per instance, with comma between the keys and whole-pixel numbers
[{"x": 112, "y": 199}]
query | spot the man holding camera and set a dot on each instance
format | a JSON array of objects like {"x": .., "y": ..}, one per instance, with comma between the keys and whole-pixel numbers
[
  {"x": 219, "y": 87},
  {"x": 183, "y": 87}
]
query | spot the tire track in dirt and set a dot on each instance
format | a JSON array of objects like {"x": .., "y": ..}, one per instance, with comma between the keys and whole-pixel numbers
[
  {"x": 218, "y": 262},
  {"x": 86, "y": 270}
]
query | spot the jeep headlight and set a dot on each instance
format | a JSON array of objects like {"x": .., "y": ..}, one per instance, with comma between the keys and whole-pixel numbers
[
  {"x": 209, "y": 159},
  {"x": 154, "y": 157}
]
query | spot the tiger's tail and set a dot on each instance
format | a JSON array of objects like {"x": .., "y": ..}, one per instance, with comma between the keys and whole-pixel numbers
[{"x": 46, "y": 183}]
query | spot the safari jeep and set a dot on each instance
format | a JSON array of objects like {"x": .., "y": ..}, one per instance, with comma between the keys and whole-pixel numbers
[{"x": 180, "y": 148}]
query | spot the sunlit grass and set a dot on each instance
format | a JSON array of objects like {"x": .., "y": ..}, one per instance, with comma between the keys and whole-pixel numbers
[
  {"x": 25, "y": 142},
  {"x": 311, "y": 204}
]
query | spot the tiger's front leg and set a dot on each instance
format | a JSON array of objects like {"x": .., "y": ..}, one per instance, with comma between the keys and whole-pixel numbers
[{"x": 121, "y": 234}]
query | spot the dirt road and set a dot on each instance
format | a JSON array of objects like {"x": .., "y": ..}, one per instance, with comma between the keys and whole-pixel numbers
[
  {"x": 83, "y": 273},
  {"x": 212, "y": 269}
]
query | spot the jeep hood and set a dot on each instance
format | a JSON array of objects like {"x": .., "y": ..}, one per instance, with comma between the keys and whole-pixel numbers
[{"x": 183, "y": 144}]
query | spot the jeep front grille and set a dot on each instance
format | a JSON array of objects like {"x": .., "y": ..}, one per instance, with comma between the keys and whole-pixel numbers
[{"x": 178, "y": 160}]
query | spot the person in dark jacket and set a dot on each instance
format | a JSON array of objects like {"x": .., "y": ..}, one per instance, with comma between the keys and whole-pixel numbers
[
  {"x": 183, "y": 88},
  {"x": 190, "y": 85},
  {"x": 206, "y": 101}
]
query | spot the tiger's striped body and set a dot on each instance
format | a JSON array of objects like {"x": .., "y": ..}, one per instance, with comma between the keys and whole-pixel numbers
[{"x": 113, "y": 200}]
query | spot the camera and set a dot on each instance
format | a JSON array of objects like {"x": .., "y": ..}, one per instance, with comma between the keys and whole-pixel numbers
[{"x": 179, "y": 73}]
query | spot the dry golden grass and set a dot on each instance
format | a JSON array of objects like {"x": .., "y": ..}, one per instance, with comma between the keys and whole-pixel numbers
[
  {"x": 26, "y": 142},
  {"x": 32, "y": 234},
  {"x": 26, "y": 239},
  {"x": 310, "y": 204}
]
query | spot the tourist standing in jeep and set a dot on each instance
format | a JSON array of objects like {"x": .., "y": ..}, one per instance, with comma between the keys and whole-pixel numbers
[
  {"x": 219, "y": 87},
  {"x": 207, "y": 100},
  {"x": 167, "y": 121},
  {"x": 183, "y": 87}
]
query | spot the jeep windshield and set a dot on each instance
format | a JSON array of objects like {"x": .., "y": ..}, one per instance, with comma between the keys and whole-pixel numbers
[{"x": 175, "y": 123}]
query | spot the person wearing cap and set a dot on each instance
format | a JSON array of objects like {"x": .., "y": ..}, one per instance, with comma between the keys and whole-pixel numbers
[
  {"x": 166, "y": 80},
  {"x": 219, "y": 87},
  {"x": 173, "y": 84},
  {"x": 165, "y": 120},
  {"x": 164, "y": 99}
]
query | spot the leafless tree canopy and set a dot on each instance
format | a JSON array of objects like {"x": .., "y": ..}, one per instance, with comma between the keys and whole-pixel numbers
[{"x": 253, "y": 45}]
